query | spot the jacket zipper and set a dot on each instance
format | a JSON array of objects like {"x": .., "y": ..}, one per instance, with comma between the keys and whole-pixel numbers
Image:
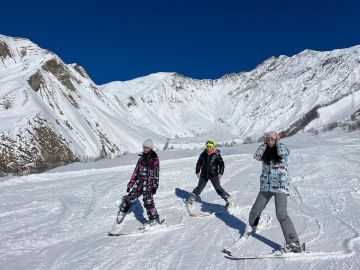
[
  {"x": 208, "y": 166},
  {"x": 269, "y": 177}
]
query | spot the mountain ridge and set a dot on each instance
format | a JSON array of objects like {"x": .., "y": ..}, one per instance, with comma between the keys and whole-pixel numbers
[{"x": 41, "y": 96}]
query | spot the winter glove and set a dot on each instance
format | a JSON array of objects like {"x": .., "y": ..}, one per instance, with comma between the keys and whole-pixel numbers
[
  {"x": 154, "y": 190},
  {"x": 129, "y": 187}
]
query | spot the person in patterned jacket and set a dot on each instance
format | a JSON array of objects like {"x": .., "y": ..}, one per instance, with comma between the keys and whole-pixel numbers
[
  {"x": 144, "y": 181},
  {"x": 274, "y": 182},
  {"x": 210, "y": 166}
]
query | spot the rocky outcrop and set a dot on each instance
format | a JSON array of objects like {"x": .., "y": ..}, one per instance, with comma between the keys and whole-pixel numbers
[
  {"x": 56, "y": 68},
  {"x": 4, "y": 50},
  {"x": 36, "y": 149},
  {"x": 36, "y": 81}
]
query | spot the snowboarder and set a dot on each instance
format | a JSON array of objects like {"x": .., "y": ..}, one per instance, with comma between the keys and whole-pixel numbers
[
  {"x": 144, "y": 181},
  {"x": 210, "y": 166},
  {"x": 274, "y": 181}
]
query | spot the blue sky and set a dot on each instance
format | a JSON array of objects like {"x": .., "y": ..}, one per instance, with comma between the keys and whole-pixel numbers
[{"x": 121, "y": 40}]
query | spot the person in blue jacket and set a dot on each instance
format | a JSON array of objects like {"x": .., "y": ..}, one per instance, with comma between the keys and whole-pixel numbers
[{"x": 274, "y": 182}]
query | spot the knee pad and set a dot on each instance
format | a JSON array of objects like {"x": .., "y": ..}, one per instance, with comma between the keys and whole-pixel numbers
[{"x": 281, "y": 217}]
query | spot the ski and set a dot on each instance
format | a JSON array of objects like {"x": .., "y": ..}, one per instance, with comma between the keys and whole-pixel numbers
[
  {"x": 143, "y": 230},
  {"x": 244, "y": 238},
  {"x": 281, "y": 255},
  {"x": 203, "y": 214},
  {"x": 113, "y": 228},
  {"x": 238, "y": 244}
]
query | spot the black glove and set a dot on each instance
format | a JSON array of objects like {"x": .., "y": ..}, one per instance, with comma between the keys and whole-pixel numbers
[
  {"x": 154, "y": 190},
  {"x": 128, "y": 190}
]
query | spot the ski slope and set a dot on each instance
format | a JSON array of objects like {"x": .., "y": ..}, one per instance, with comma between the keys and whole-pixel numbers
[{"x": 59, "y": 219}]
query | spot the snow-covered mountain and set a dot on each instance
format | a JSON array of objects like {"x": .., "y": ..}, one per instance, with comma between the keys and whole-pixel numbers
[
  {"x": 52, "y": 113},
  {"x": 310, "y": 90}
]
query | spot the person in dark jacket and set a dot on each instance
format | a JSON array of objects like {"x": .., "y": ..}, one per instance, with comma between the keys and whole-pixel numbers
[
  {"x": 144, "y": 181},
  {"x": 210, "y": 166}
]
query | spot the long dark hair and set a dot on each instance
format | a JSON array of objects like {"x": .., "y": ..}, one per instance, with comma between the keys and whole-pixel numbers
[
  {"x": 146, "y": 158},
  {"x": 270, "y": 153}
]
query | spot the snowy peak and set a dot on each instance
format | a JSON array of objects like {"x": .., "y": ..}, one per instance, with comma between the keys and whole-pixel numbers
[
  {"x": 38, "y": 91},
  {"x": 282, "y": 93},
  {"x": 137, "y": 87},
  {"x": 20, "y": 51},
  {"x": 40, "y": 94}
]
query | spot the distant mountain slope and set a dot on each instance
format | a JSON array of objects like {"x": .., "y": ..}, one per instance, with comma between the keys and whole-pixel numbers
[{"x": 52, "y": 113}]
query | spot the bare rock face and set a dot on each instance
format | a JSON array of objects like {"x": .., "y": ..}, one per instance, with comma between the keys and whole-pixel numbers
[
  {"x": 45, "y": 150},
  {"x": 60, "y": 72},
  {"x": 36, "y": 81},
  {"x": 4, "y": 51},
  {"x": 47, "y": 121},
  {"x": 81, "y": 71}
]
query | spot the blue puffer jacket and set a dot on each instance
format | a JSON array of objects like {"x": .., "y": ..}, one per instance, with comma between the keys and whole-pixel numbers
[{"x": 274, "y": 176}]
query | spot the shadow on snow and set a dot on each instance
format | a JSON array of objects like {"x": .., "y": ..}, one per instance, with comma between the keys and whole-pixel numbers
[{"x": 229, "y": 219}]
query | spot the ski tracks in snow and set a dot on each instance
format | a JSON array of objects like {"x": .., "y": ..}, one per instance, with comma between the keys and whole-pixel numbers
[
  {"x": 331, "y": 226},
  {"x": 59, "y": 220}
]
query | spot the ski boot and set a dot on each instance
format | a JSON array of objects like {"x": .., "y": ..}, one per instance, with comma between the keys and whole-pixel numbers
[
  {"x": 190, "y": 199},
  {"x": 120, "y": 216},
  {"x": 230, "y": 204},
  {"x": 293, "y": 247},
  {"x": 250, "y": 230},
  {"x": 152, "y": 223}
]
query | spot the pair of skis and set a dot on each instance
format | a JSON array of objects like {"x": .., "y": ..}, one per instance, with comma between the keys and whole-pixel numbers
[{"x": 278, "y": 254}]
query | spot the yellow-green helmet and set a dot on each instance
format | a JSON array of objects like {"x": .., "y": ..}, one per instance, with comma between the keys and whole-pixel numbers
[{"x": 210, "y": 143}]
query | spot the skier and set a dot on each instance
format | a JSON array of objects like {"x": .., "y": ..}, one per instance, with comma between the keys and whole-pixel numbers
[
  {"x": 274, "y": 181},
  {"x": 144, "y": 181},
  {"x": 210, "y": 165}
]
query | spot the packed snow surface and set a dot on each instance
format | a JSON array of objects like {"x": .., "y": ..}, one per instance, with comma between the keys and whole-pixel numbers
[{"x": 60, "y": 219}]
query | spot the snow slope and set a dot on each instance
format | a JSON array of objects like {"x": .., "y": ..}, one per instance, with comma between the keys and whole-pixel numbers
[{"x": 59, "y": 219}]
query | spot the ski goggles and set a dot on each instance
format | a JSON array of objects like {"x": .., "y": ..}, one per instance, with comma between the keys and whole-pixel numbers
[{"x": 210, "y": 143}]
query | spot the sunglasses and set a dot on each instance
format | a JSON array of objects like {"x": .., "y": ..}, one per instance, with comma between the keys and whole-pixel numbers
[{"x": 210, "y": 144}]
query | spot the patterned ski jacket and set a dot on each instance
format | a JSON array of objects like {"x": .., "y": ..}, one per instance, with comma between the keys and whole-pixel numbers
[
  {"x": 210, "y": 164},
  {"x": 145, "y": 177},
  {"x": 274, "y": 176}
]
